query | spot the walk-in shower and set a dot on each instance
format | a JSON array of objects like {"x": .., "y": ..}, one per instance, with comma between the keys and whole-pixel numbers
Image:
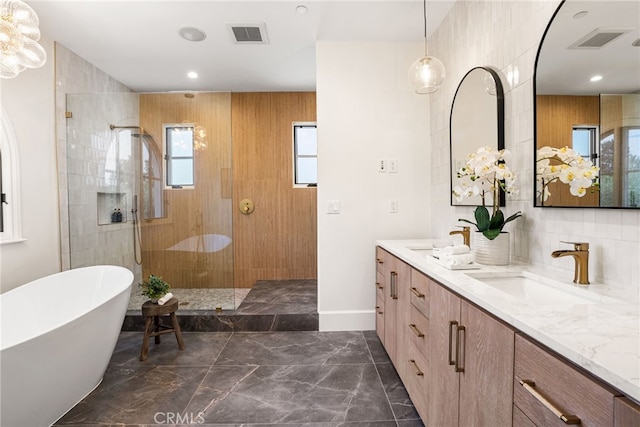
[{"x": 122, "y": 209}]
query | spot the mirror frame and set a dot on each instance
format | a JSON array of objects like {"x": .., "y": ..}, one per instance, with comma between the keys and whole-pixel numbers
[
  {"x": 499, "y": 123},
  {"x": 535, "y": 123}
]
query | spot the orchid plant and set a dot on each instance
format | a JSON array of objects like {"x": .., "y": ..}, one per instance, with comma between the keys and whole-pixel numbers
[
  {"x": 567, "y": 166},
  {"x": 484, "y": 174}
]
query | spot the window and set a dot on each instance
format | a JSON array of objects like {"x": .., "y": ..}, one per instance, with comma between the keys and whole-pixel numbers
[
  {"x": 179, "y": 160},
  {"x": 10, "y": 205},
  {"x": 585, "y": 142},
  {"x": 631, "y": 169},
  {"x": 305, "y": 154}
]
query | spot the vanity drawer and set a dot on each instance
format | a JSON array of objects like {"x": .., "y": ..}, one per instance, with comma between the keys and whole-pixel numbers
[
  {"x": 382, "y": 258},
  {"x": 540, "y": 375},
  {"x": 416, "y": 382},
  {"x": 419, "y": 294},
  {"x": 418, "y": 327},
  {"x": 380, "y": 282},
  {"x": 380, "y": 318}
]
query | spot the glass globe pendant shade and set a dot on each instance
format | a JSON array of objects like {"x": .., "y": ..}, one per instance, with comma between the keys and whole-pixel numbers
[
  {"x": 426, "y": 74},
  {"x": 19, "y": 35}
]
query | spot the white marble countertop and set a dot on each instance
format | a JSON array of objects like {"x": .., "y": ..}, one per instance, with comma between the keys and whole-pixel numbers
[{"x": 603, "y": 338}]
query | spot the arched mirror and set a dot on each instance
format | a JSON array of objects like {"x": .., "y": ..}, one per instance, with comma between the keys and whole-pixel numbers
[
  {"x": 477, "y": 120},
  {"x": 587, "y": 98}
]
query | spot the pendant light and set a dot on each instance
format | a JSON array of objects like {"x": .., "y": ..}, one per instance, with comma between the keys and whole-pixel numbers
[
  {"x": 426, "y": 74},
  {"x": 19, "y": 35}
]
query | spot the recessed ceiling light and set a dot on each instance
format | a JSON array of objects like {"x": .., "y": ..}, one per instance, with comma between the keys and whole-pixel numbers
[
  {"x": 580, "y": 14},
  {"x": 301, "y": 9},
  {"x": 192, "y": 75},
  {"x": 192, "y": 34},
  {"x": 596, "y": 78}
]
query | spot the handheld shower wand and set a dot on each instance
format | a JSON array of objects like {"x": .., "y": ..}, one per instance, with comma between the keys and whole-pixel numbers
[{"x": 136, "y": 231}]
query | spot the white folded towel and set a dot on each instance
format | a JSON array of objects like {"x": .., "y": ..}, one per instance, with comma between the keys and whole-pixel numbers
[
  {"x": 455, "y": 250},
  {"x": 453, "y": 260},
  {"x": 165, "y": 298}
]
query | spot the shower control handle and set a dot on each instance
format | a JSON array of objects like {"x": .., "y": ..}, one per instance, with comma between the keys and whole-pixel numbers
[{"x": 246, "y": 206}]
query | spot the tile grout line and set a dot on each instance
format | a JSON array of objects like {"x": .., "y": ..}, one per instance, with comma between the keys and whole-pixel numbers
[{"x": 384, "y": 390}]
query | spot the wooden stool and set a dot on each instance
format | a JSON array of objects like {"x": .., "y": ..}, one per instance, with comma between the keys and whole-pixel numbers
[{"x": 153, "y": 326}]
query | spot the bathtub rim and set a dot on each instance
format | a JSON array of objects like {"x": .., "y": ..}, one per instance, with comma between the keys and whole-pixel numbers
[{"x": 129, "y": 279}]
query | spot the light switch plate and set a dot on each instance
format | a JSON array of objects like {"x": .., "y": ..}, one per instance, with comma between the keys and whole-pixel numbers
[{"x": 333, "y": 207}]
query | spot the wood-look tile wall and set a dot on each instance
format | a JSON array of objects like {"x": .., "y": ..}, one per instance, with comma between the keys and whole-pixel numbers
[
  {"x": 201, "y": 211},
  {"x": 556, "y": 116},
  {"x": 249, "y": 155},
  {"x": 278, "y": 240}
]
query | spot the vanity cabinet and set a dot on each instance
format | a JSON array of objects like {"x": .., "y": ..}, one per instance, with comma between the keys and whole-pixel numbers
[
  {"x": 470, "y": 371},
  {"x": 392, "y": 283},
  {"x": 625, "y": 413},
  {"x": 550, "y": 392}
]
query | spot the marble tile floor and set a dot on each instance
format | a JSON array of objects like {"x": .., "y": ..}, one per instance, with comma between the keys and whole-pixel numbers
[{"x": 233, "y": 379}]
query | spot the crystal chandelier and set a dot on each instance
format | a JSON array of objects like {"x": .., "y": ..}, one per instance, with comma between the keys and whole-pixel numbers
[{"x": 19, "y": 35}]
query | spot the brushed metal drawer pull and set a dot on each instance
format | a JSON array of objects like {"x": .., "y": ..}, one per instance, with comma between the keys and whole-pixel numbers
[
  {"x": 568, "y": 419},
  {"x": 459, "y": 368},
  {"x": 394, "y": 285},
  {"x": 379, "y": 286},
  {"x": 417, "y": 293},
  {"x": 452, "y": 324},
  {"x": 415, "y": 330},
  {"x": 379, "y": 261},
  {"x": 417, "y": 369},
  {"x": 378, "y": 310}
]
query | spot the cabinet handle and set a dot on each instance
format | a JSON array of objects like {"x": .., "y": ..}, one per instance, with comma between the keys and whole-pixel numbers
[
  {"x": 452, "y": 324},
  {"x": 530, "y": 387},
  {"x": 416, "y": 330},
  {"x": 379, "y": 261},
  {"x": 378, "y": 310},
  {"x": 379, "y": 286},
  {"x": 417, "y": 293},
  {"x": 458, "y": 368},
  {"x": 416, "y": 368},
  {"x": 394, "y": 285}
]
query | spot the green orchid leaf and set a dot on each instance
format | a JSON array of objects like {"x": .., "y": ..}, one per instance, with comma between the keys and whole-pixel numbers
[
  {"x": 470, "y": 222},
  {"x": 482, "y": 218},
  {"x": 497, "y": 221},
  {"x": 514, "y": 216},
  {"x": 491, "y": 233}
]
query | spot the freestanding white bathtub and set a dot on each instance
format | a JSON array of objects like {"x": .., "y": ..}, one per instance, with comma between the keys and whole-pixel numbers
[{"x": 58, "y": 335}]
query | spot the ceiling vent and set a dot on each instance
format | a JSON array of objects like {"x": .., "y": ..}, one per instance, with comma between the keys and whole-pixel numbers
[
  {"x": 253, "y": 33},
  {"x": 599, "y": 37}
]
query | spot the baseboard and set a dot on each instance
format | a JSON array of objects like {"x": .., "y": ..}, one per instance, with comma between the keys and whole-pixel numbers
[{"x": 363, "y": 320}]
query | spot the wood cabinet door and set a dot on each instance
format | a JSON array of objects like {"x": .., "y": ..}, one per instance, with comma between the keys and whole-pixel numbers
[
  {"x": 386, "y": 266},
  {"x": 442, "y": 379},
  {"x": 402, "y": 271},
  {"x": 486, "y": 383}
]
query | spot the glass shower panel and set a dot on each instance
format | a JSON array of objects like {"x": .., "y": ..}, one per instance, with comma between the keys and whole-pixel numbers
[
  {"x": 120, "y": 210},
  {"x": 102, "y": 179}
]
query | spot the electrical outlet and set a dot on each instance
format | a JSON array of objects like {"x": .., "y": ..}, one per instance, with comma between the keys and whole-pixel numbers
[
  {"x": 382, "y": 165},
  {"x": 393, "y": 165},
  {"x": 393, "y": 206}
]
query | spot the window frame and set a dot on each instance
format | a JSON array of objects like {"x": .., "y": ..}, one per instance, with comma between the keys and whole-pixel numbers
[
  {"x": 294, "y": 144},
  {"x": 167, "y": 158}
]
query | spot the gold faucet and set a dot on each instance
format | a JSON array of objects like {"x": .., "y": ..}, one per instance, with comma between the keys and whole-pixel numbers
[
  {"x": 580, "y": 254},
  {"x": 466, "y": 234}
]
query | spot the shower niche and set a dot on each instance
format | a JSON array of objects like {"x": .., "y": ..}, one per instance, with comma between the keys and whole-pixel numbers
[{"x": 112, "y": 208}]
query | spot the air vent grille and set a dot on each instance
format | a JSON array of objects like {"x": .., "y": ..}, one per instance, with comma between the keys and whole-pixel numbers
[
  {"x": 255, "y": 33},
  {"x": 599, "y": 37}
]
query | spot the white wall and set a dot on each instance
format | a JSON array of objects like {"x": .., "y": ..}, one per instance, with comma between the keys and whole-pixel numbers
[
  {"x": 29, "y": 102},
  {"x": 366, "y": 111},
  {"x": 506, "y": 35}
]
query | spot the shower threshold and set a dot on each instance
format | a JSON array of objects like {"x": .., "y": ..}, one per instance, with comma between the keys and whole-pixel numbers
[{"x": 271, "y": 305}]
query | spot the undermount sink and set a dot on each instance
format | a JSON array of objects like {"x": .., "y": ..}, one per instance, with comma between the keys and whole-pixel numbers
[{"x": 535, "y": 290}]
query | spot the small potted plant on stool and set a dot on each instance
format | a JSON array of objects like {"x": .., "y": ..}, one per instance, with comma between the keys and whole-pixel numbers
[{"x": 154, "y": 288}]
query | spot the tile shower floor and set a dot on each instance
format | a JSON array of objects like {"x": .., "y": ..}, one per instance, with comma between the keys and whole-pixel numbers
[
  {"x": 315, "y": 379},
  {"x": 197, "y": 299}
]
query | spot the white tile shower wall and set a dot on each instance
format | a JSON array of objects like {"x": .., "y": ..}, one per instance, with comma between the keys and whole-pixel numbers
[
  {"x": 83, "y": 148},
  {"x": 506, "y": 36}
]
